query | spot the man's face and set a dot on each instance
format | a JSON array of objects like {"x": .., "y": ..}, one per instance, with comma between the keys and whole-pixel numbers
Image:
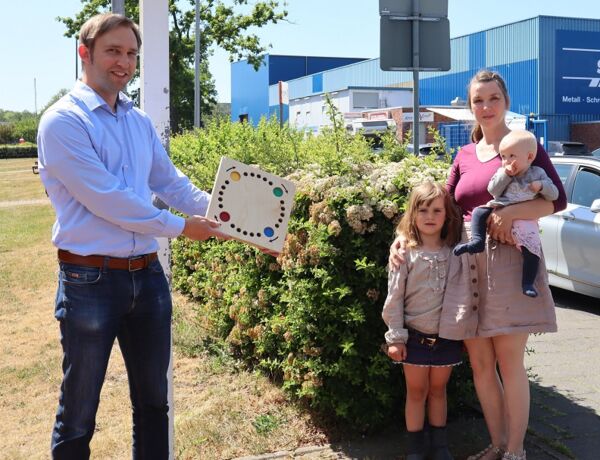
[{"x": 112, "y": 64}]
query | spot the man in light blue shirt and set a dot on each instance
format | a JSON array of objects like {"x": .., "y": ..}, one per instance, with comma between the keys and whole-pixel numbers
[{"x": 100, "y": 160}]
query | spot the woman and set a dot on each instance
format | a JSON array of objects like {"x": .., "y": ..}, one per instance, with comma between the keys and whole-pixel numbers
[{"x": 483, "y": 304}]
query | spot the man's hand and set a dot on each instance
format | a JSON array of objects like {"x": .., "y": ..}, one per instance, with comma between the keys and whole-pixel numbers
[
  {"x": 200, "y": 228},
  {"x": 499, "y": 225},
  {"x": 397, "y": 252},
  {"x": 397, "y": 352},
  {"x": 536, "y": 186}
]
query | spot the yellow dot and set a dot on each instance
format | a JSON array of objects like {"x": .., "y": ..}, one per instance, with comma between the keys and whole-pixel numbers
[{"x": 235, "y": 176}]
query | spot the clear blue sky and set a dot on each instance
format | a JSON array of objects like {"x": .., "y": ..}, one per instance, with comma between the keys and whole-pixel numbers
[{"x": 32, "y": 44}]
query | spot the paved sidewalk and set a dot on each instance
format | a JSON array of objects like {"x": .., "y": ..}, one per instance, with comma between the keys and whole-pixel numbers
[
  {"x": 565, "y": 400},
  {"x": 565, "y": 407}
]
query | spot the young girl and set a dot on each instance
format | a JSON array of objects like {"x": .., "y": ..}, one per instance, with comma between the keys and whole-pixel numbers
[{"x": 412, "y": 311}]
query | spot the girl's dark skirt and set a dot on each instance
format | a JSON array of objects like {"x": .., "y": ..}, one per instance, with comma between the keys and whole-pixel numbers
[{"x": 432, "y": 350}]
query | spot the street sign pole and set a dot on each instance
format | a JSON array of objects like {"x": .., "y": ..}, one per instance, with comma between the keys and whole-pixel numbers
[
  {"x": 415, "y": 52},
  {"x": 414, "y": 36}
]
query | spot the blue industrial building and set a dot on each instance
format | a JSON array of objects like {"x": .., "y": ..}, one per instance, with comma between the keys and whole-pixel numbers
[
  {"x": 250, "y": 88},
  {"x": 551, "y": 66}
]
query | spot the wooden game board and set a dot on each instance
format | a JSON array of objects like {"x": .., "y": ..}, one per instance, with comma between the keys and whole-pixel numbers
[{"x": 253, "y": 206}]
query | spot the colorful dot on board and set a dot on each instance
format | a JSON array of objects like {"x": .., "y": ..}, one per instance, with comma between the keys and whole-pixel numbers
[
  {"x": 224, "y": 216},
  {"x": 277, "y": 191},
  {"x": 235, "y": 176},
  {"x": 269, "y": 232}
]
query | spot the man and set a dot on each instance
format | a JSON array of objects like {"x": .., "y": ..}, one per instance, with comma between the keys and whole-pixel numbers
[{"x": 100, "y": 160}]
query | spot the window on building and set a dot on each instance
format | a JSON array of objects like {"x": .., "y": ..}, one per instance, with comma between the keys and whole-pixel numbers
[{"x": 365, "y": 100}]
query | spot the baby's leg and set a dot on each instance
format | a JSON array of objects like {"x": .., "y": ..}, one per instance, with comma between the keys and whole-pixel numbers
[
  {"x": 527, "y": 238},
  {"x": 531, "y": 263},
  {"x": 478, "y": 232}
]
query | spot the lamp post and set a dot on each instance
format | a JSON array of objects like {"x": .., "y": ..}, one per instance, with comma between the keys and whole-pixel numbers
[
  {"x": 118, "y": 6},
  {"x": 197, "y": 95}
]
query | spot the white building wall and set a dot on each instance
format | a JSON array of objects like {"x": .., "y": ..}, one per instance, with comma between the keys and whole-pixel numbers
[{"x": 310, "y": 113}]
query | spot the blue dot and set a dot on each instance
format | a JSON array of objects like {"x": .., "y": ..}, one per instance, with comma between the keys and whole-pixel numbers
[{"x": 269, "y": 232}]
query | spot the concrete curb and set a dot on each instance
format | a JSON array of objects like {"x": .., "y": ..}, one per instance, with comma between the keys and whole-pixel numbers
[{"x": 306, "y": 452}]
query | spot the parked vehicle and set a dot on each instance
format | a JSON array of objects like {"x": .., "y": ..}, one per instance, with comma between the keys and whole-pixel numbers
[
  {"x": 425, "y": 150},
  {"x": 567, "y": 148},
  {"x": 596, "y": 153},
  {"x": 571, "y": 238}
]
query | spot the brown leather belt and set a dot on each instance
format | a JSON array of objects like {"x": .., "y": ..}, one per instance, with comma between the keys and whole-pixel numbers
[{"x": 132, "y": 264}]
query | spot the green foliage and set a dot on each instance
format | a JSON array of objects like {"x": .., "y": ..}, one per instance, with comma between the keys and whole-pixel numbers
[
  {"x": 26, "y": 150},
  {"x": 310, "y": 319},
  {"x": 23, "y": 125},
  {"x": 222, "y": 25},
  {"x": 26, "y": 129},
  {"x": 266, "y": 423},
  {"x": 11, "y": 116},
  {"x": 7, "y": 135}
]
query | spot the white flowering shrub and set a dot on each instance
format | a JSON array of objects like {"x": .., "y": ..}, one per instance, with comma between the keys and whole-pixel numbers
[{"x": 311, "y": 318}]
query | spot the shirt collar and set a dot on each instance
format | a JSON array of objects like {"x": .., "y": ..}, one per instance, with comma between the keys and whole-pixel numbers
[{"x": 93, "y": 100}]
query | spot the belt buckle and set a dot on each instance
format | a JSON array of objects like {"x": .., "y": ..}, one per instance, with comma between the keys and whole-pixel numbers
[
  {"x": 428, "y": 341},
  {"x": 132, "y": 269}
]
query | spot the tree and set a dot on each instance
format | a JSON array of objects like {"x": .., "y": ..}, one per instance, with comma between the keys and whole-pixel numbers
[
  {"x": 60, "y": 93},
  {"x": 223, "y": 25}
]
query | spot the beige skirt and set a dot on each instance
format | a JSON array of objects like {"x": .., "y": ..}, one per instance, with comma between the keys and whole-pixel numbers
[{"x": 484, "y": 298}]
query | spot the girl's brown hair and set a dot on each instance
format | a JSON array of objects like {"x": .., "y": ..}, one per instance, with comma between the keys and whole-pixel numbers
[
  {"x": 424, "y": 194},
  {"x": 485, "y": 76}
]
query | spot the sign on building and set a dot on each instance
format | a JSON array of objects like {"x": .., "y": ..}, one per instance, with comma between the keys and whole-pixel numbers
[
  {"x": 408, "y": 117},
  {"x": 577, "y": 72}
]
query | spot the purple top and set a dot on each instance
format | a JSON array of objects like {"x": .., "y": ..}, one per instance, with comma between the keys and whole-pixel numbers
[{"x": 469, "y": 178}]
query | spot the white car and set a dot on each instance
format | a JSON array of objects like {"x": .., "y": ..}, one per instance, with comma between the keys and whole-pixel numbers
[{"x": 571, "y": 238}]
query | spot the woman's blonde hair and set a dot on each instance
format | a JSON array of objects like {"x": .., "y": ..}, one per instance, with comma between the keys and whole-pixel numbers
[
  {"x": 485, "y": 76},
  {"x": 424, "y": 194}
]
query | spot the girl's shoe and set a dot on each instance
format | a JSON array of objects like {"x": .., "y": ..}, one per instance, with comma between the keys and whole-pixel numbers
[
  {"x": 439, "y": 444},
  {"x": 416, "y": 445},
  {"x": 511, "y": 456},
  {"x": 491, "y": 452}
]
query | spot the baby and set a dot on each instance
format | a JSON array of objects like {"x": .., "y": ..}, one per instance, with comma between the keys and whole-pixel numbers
[{"x": 515, "y": 181}]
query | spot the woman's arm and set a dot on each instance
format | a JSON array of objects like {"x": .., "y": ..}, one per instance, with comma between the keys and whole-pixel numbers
[
  {"x": 500, "y": 221},
  {"x": 397, "y": 252}
]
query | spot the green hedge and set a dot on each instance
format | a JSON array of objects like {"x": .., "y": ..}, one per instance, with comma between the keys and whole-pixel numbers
[
  {"x": 25, "y": 128},
  {"x": 26, "y": 150},
  {"x": 311, "y": 319}
]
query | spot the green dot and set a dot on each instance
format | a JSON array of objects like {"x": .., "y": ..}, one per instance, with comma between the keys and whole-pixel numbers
[{"x": 277, "y": 191}]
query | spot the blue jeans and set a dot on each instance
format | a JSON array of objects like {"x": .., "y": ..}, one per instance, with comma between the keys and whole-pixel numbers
[{"x": 94, "y": 306}]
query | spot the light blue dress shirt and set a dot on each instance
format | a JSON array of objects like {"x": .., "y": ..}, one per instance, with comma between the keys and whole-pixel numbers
[{"x": 100, "y": 169}]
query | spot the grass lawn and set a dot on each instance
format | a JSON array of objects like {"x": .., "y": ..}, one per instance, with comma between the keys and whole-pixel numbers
[{"x": 221, "y": 411}]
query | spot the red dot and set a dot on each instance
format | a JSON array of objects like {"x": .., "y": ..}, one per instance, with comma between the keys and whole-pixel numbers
[{"x": 224, "y": 216}]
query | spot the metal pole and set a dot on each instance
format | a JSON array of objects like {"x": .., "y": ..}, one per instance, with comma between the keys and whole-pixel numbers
[
  {"x": 155, "y": 100},
  {"x": 415, "y": 65},
  {"x": 197, "y": 95},
  {"x": 280, "y": 84},
  {"x": 76, "y": 59},
  {"x": 118, "y": 6},
  {"x": 35, "y": 94}
]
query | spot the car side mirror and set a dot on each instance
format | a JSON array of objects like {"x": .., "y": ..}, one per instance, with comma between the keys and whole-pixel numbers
[{"x": 595, "y": 206}]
